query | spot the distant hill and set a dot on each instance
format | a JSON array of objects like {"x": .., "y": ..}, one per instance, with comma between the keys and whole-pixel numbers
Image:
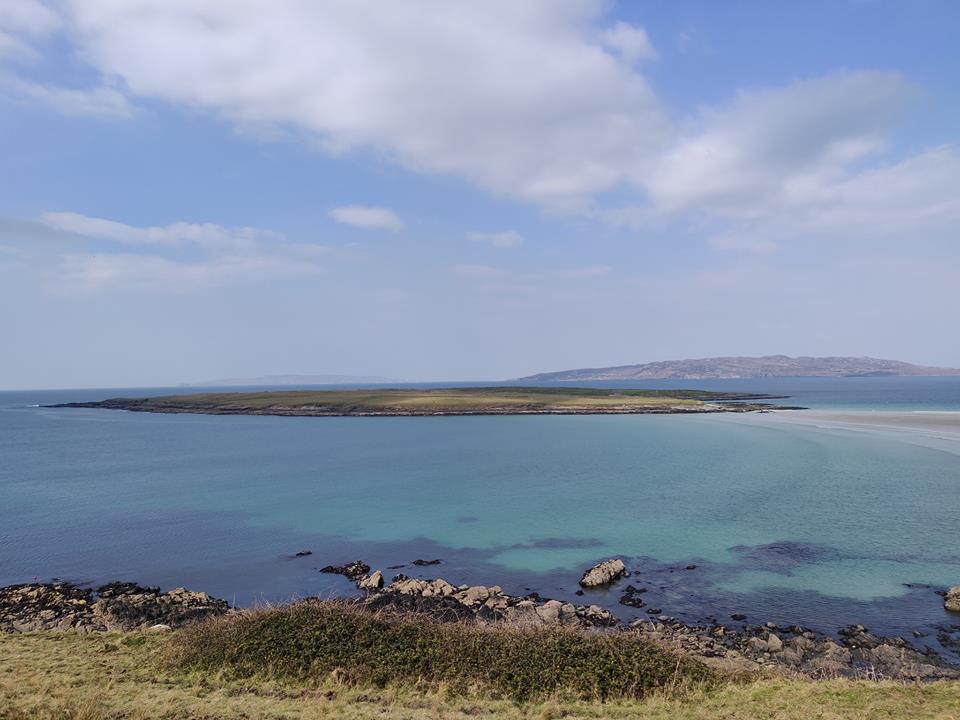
[
  {"x": 295, "y": 380},
  {"x": 746, "y": 367}
]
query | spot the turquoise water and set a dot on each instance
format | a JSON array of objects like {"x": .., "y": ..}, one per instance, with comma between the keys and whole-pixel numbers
[{"x": 791, "y": 522}]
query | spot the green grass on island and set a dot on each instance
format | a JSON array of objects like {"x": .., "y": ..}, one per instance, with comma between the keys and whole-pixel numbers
[
  {"x": 328, "y": 661},
  {"x": 439, "y": 401}
]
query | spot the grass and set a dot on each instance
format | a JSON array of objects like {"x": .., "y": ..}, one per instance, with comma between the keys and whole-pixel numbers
[
  {"x": 427, "y": 401},
  {"x": 312, "y": 639},
  {"x": 47, "y": 676}
]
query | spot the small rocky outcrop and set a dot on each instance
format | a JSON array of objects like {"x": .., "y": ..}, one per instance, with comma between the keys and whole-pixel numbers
[
  {"x": 115, "y": 606},
  {"x": 603, "y": 573},
  {"x": 631, "y": 597},
  {"x": 951, "y": 601},
  {"x": 856, "y": 653},
  {"x": 352, "y": 571},
  {"x": 444, "y": 601}
]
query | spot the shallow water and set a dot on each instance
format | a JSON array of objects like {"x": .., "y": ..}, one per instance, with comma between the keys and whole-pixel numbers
[{"x": 784, "y": 521}]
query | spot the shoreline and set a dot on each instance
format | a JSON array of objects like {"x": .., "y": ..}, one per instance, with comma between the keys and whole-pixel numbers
[{"x": 733, "y": 644}]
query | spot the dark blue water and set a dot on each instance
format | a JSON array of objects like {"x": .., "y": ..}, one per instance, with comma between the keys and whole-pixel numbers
[{"x": 786, "y": 522}]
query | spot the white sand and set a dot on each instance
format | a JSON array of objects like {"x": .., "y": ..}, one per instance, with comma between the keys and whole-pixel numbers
[{"x": 939, "y": 430}]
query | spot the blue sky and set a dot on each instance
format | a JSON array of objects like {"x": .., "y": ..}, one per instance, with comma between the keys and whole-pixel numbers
[{"x": 436, "y": 190}]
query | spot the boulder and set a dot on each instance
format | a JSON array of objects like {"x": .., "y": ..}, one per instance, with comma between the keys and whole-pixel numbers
[
  {"x": 476, "y": 595},
  {"x": 409, "y": 586},
  {"x": 371, "y": 582},
  {"x": 774, "y": 643},
  {"x": 952, "y": 599},
  {"x": 603, "y": 573}
]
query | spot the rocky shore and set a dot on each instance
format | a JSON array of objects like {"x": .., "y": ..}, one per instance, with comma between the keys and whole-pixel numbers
[
  {"x": 116, "y": 606},
  {"x": 735, "y": 646}
]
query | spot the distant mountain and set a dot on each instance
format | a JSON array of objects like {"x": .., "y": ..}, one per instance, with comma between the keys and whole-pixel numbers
[
  {"x": 746, "y": 367},
  {"x": 296, "y": 380}
]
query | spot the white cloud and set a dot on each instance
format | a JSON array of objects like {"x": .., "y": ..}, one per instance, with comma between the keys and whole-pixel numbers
[
  {"x": 520, "y": 98},
  {"x": 369, "y": 218},
  {"x": 772, "y": 144},
  {"x": 502, "y": 239},
  {"x": 30, "y": 17},
  {"x": 537, "y": 100},
  {"x": 99, "y": 101},
  {"x": 630, "y": 41},
  {"x": 24, "y": 24},
  {"x": 97, "y": 272},
  {"x": 177, "y": 257},
  {"x": 176, "y": 234}
]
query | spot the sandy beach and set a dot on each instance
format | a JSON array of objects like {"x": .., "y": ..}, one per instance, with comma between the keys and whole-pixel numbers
[{"x": 935, "y": 429}]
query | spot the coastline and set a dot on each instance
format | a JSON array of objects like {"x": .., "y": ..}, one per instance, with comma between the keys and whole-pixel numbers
[{"x": 730, "y": 645}]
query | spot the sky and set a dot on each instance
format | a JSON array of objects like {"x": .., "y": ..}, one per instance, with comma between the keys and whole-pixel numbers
[{"x": 442, "y": 190}]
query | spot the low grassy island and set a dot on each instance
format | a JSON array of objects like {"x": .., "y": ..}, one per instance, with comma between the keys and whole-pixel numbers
[{"x": 444, "y": 401}]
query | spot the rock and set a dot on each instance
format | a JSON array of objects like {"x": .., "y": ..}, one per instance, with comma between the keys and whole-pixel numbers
[
  {"x": 951, "y": 601},
  {"x": 442, "y": 587},
  {"x": 424, "y": 563},
  {"x": 354, "y": 571},
  {"x": 303, "y": 553},
  {"x": 475, "y": 595},
  {"x": 371, "y": 582},
  {"x": 739, "y": 617},
  {"x": 549, "y": 612},
  {"x": 115, "y": 606},
  {"x": 603, "y": 573},
  {"x": 774, "y": 643},
  {"x": 409, "y": 586},
  {"x": 443, "y": 609},
  {"x": 159, "y": 627}
]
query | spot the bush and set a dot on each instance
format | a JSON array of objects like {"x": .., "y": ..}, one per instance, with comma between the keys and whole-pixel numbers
[{"x": 313, "y": 639}]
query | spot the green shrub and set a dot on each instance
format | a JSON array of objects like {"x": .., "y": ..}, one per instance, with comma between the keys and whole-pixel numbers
[{"x": 315, "y": 639}]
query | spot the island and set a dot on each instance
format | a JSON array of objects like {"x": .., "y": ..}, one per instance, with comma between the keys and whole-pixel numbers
[
  {"x": 395, "y": 402},
  {"x": 727, "y": 368}
]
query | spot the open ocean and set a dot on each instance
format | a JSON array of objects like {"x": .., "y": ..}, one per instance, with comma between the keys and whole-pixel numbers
[{"x": 786, "y": 522}]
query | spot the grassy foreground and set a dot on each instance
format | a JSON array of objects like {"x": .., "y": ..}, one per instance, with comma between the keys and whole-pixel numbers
[
  {"x": 476, "y": 400},
  {"x": 214, "y": 673}
]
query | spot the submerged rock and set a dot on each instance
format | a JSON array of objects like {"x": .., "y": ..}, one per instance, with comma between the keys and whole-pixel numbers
[
  {"x": 603, "y": 573},
  {"x": 353, "y": 571}
]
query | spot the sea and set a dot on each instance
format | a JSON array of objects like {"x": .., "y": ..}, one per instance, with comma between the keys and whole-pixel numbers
[{"x": 813, "y": 524}]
